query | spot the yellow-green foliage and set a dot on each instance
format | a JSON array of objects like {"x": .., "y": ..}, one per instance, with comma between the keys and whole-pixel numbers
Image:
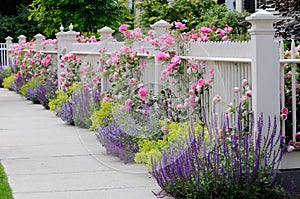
[
  {"x": 98, "y": 116},
  {"x": 7, "y": 80},
  {"x": 32, "y": 83},
  {"x": 149, "y": 148},
  {"x": 61, "y": 98}
]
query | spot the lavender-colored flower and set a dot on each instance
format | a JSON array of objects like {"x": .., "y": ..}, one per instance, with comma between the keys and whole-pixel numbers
[
  {"x": 117, "y": 142},
  {"x": 246, "y": 159},
  {"x": 66, "y": 112},
  {"x": 84, "y": 103}
]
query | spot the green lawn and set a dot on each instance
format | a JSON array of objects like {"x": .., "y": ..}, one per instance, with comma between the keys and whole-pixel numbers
[{"x": 5, "y": 191}]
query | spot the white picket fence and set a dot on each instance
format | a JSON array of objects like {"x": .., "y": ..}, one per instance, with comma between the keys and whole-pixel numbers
[
  {"x": 3, "y": 55},
  {"x": 260, "y": 61}
]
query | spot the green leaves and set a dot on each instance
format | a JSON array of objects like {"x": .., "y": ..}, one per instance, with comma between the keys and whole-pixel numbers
[
  {"x": 85, "y": 15},
  {"x": 17, "y": 24},
  {"x": 195, "y": 14}
]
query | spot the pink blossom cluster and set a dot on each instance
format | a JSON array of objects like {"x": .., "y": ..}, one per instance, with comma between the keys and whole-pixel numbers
[
  {"x": 196, "y": 89},
  {"x": 288, "y": 53},
  {"x": 90, "y": 77},
  {"x": 49, "y": 42},
  {"x": 83, "y": 39},
  {"x": 172, "y": 65},
  {"x": 292, "y": 145},
  {"x": 284, "y": 113},
  {"x": 205, "y": 34},
  {"x": 164, "y": 42},
  {"x": 20, "y": 49},
  {"x": 69, "y": 65},
  {"x": 130, "y": 34}
]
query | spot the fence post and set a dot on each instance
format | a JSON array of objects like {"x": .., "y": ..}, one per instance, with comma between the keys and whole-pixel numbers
[
  {"x": 64, "y": 45},
  {"x": 38, "y": 42},
  {"x": 106, "y": 34},
  {"x": 106, "y": 38},
  {"x": 8, "y": 44},
  {"x": 160, "y": 28},
  {"x": 265, "y": 67},
  {"x": 22, "y": 39}
]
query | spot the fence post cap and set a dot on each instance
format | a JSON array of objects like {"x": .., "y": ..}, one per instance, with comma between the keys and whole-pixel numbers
[
  {"x": 161, "y": 24},
  {"x": 21, "y": 37},
  {"x": 262, "y": 15},
  {"x": 106, "y": 33},
  {"x": 262, "y": 23},
  {"x": 71, "y": 27},
  {"x": 39, "y": 36},
  {"x": 106, "y": 30},
  {"x": 61, "y": 28},
  {"x": 8, "y": 38}
]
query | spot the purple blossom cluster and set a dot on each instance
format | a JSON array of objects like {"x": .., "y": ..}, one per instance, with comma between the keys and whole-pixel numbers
[
  {"x": 46, "y": 92},
  {"x": 18, "y": 83},
  {"x": 42, "y": 93},
  {"x": 66, "y": 112},
  {"x": 117, "y": 142},
  {"x": 80, "y": 107},
  {"x": 231, "y": 160},
  {"x": 85, "y": 102},
  {"x": 32, "y": 95},
  {"x": 1, "y": 74}
]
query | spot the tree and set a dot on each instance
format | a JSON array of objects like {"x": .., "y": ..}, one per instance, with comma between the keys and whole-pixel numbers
[
  {"x": 14, "y": 22},
  {"x": 289, "y": 27},
  {"x": 85, "y": 15}
]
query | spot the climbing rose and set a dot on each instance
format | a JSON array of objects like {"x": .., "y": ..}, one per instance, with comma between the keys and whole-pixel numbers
[
  {"x": 180, "y": 25},
  {"x": 123, "y": 28},
  {"x": 143, "y": 92},
  {"x": 285, "y": 110}
]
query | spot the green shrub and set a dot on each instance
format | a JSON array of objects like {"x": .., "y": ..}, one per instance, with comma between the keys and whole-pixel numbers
[
  {"x": 103, "y": 113},
  {"x": 32, "y": 83},
  {"x": 63, "y": 96},
  {"x": 174, "y": 134},
  {"x": 8, "y": 80}
]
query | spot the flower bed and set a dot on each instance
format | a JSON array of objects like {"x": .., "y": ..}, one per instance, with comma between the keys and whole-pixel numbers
[{"x": 167, "y": 130}]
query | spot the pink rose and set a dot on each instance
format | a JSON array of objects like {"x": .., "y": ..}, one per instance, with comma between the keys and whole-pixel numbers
[
  {"x": 284, "y": 110},
  {"x": 236, "y": 89},
  {"x": 132, "y": 81},
  {"x": 176, "y": 60},
  {"x": 128, "y": 103},
  {"x": 123, "y": 28},
  {"x": 201, "y": 82},
  {"x": 211, "y": 72},
  {"x": 143, "y": 92},
  {"x": 179, "y": 107},
  {"x": 180, "y": 25},
  {"x": 160, "y": 56},
  {"x": 193, "y": 86},
  {"x": 249, "y": 93}
]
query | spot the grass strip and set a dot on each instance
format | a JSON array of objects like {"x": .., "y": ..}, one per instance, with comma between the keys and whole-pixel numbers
[{"x": 5, "y": 191}]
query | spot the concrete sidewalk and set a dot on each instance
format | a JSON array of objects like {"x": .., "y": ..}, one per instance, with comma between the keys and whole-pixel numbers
[{"x": 45, "y": 158}]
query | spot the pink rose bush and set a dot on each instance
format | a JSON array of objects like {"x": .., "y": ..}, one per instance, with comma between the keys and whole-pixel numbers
[{"x": 69, "y": 70}]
